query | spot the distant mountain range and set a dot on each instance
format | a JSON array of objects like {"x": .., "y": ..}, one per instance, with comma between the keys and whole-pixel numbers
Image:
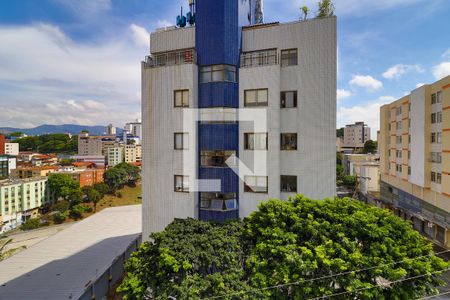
[{"x": 66, "y": 128}]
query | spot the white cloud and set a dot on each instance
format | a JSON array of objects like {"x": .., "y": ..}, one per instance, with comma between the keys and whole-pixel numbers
[
  {"x": 49, "y": 78},
  {"x": 86, "y": 8},
  {"x": 446, "y": 53},
  {"x": 441, "y": 70},
  {"x": 342, "y": 94},
  {"x": 140, "y": 35},
  {"x": 369, "y": 113},
  {"x": 397, "y": 71},
  {"x": 366, "y": 81}
]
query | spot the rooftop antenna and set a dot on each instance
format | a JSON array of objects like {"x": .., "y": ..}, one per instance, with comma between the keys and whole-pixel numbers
[
  {"x": 191, "y": 14},
  {"x": 181, "y": 20}
]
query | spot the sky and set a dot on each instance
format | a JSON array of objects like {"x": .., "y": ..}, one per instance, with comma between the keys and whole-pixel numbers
[{"x": 78, "y": 61}]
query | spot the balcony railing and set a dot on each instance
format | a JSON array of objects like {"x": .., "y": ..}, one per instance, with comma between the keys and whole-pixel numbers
[
  {"x": 171, "y": 59},
  {"x": 259, "y": 58}
]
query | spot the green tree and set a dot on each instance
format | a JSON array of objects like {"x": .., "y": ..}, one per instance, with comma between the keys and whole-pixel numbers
[
  {"x": 75, "y": 197},
  {"x": 302, "y": 239},
  {"x": 191, "y": 259},
  {"x": 340, "y": 132},
  {"x": 59, "y": 217},
  {"x": 115, "y": 178},
  {"x": 102, "y": 188},
  {"x": 133, "y": 172},
  {"x": 305, "y": 12},
  {"x": 49, "y": 143},
  {"x": 62, "y": 185},
  {"x": 66, "y": 162},
  {"x": 370, "y": 147},
  {"x": 94, "y": 196},
  {"x": 326, "y": 9},
  {"x": 287, "y": 250},
  {"x": 350, "y": 181},
  {"x": 31, "y": 224}
]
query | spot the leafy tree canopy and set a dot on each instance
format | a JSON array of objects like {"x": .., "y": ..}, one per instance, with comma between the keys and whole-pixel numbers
[
  {"x": 370, "y": 147},
  {"x": 49, "y": 143},
  {"x": 326, "y": 8},
  {"x": 62, "y": 185},
  {"x": 282, "y": 243}
]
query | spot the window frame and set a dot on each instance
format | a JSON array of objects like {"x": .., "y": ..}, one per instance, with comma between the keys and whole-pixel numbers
[
  {"x": 289, "y": 58},
  {"x": 204, "y": 155},
  {"x": 183, "y": 189},
  {"x": 283, "y": 147},
  {"x": 182, "y": 91},
  {"x": 223, "y": 70},
  {"x": 247, "y": 144},
  {"x": 248, "y": 189},
  {"x": 226, "y": 197},
  {"x": 183, "y": 134},
  {"x": 283, "y": 99},
  {"x": 291, "y": 177},
  {"x": 258, "y": 104}
]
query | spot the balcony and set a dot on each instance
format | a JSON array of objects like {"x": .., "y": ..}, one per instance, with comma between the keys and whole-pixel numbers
[
  {"x": 259, "y": 58},
  {"x": 171, "y": 59}
]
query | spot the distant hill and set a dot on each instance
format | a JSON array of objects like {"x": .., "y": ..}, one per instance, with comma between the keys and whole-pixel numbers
[{"x": 66, "y": 128}]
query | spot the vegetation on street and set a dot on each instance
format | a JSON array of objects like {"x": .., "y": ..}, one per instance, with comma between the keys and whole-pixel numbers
[{"x": 297, "y": 249}]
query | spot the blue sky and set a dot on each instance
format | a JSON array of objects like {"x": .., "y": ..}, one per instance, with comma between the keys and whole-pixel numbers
[{"x": 78, "y": 61}]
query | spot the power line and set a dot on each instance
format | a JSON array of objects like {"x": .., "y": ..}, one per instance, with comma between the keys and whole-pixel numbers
[
  {"x": 327, "y": 276},
  {"x": 434, "y": 296},
  {"x": 377, "y": 285}
]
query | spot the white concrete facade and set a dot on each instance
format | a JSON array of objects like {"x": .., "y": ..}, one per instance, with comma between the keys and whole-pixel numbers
[
  {"x": 313, "y": 119},
  {"x": 12, "y": 149}
]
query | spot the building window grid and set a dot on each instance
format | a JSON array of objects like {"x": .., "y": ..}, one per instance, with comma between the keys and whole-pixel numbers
[
  {"x": 181, "y": 140},
  {"x": 288, "y": 141},
  {"x": 256, "y": 97},
  {"x": 288, "y": 99},
  {"x": 256, "y": 141},
  {"x": 218, "y": 73},
  {"x": 181, "y": 98},
  {"x": 181, "y": 183},
  {"x": 256, "y": 184},
  {"x": 289, "y": 57},
  {"x": 288, "y": 184}
]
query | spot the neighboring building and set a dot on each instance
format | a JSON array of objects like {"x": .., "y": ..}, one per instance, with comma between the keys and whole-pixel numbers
[
  {"x": 114, "y": 155},
  {"x": 89, "y": 145},
  {"x": 21, "y": 199},
  {"x": 111, "y": 130},
  {"x": 133, "y": 153},
  {"x": 355, "y": 135},
  {"x": 415, "y": 158},
  {"x": 86, "y": 177},
  {"x": 44, "y": 160},
  {"x": 86, "y": 259},
  {"x": 29, "y": 172},
  {"x": 98, "y": 160},
  {"x": 2, "y": 144},
  {"x": 369, "y": 177},
  {"x": 219, "y": 66},
  {"x": 134, "y": 128},
  {"x": 12, "y": 149},
  {"x": 7, "y": 165},
  {"x": 352, "y": 162}
]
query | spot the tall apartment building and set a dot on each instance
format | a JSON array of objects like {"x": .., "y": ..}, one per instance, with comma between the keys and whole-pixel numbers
[
  {"x": 21, "y": 200},
  {"x": 114, "y": 155},
  {"x": 235, "y": 74},
  {"x": 111, "y": 129},
  {"x": 134, "y": 128},
  {"x": 355, "y": 135},
  {"x": 133, "y": 153},
  {"x": 89, "y": 145},
  {"x": 415, "y": 158}
]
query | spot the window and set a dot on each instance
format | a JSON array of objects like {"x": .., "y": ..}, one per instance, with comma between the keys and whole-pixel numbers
[
  {"x": 218, "y": 201},
  {"x": 438, "y": 178},
  {"x": 217, "y": 158},
  {"x": 288, "y": 184},
  {"x": 181, "y": 98},
  {"x": 217, "y": 73},
  {"x": 398, "y": 110},
  {"x": 433, "y": 177},
  {"x": 257, "y": 97},
  {"x": 398, "y": 168},
  {"x": 255, "y": 141},
  {"x": 398, "y": 139},
  {"x": 288, "y": 141},
  {"x": 289, "y": 57},
  {"x": 255, "y": 184},
  {"x": 436, "y": 117},
  {"x": 259, "y": 58},
  {"x": 181, "y": 141},
  {"x": 181, "y": 183},
  {"x": 399, "y": 125},
  {"x": 288, "y": 99},
  {"x": 439, "y": 137},
  {"x": 409, "y": 154},
  {"x": 409, "y": 170},
  {"x": 433, "y": 98},
  {"x": 439, "y": 97},
  {"x": 399, "y": 154},
  {"x": 433, "y": 137}
]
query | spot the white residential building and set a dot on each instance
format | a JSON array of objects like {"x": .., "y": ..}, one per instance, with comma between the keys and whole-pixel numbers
[
  {"x": 12, "y": 149},
  {"x": 114, "y": 155},
  {"x": 133, "y": 153},
  {"x": 283, "y": 73}
]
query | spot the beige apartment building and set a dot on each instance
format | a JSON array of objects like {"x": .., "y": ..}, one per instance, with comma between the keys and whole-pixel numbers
[
  {"x": 355, "y": 135},
  {"x": 415, "y": 159},
  {"x": 133, "y": 153}
]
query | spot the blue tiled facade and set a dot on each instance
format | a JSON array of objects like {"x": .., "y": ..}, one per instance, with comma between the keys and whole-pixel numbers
[{"x": 218, "y": 43}]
